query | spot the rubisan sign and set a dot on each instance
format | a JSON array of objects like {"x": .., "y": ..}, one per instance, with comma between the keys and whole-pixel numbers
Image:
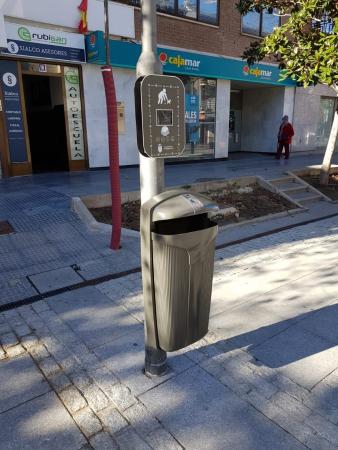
[
  {"x": 43, "y": 43},
  {"x": 160, "y": 113}
]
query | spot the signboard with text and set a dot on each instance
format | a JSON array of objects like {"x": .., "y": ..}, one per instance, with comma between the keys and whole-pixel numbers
[
  {"x": 43, "y": 43},
  {"x": 160, "y": 116},
  {"x": 192, "y": 115},
  {"x": 74, "y": 113},
  {"x": 9, "y": 82},
  {"x": 126, "y": 54}
]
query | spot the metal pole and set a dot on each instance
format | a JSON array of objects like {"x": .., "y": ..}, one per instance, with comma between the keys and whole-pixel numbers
[
  {"x": 106, "y": 27},
  {"x": 151, "y": 169}
]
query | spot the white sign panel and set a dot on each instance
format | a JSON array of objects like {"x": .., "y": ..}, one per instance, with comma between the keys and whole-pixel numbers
[
  {"x": 43, "y": 43},
  {"x": 74, "y": 113},
  {"x": 65, "y": 13}
]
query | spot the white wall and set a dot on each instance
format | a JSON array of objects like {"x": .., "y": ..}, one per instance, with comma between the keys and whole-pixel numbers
[
  {"x": 262, "y": 112},
  {"x": 3, "y": 40},
  {"x": 307, "y": 116},
  {"x": 289, "y": 99},
  {"x": 96, "y": 116},
  {"x": 65, "y": 13},
  {"x": 222, "y": 118}
]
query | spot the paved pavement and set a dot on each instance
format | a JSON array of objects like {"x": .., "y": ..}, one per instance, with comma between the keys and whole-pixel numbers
[
  {"x": 97, "y": 181},
  {"x": 52, "y": 249},
  {"x": 265, "y": 377}
]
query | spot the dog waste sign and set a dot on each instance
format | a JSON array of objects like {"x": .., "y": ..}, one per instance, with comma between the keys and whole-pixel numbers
[{"x": 160, "y": 116}]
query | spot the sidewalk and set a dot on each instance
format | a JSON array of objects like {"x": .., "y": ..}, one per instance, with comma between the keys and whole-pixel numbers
[
  {"x": 52, "y": 250},
  {"x": 265, "y": 377}
]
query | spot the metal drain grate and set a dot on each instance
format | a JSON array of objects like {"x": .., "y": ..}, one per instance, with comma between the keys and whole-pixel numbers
[{"x": 6, "y": 227}]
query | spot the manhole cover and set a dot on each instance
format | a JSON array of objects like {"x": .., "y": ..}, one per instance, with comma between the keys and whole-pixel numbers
[{"x": 5, "y": 227}]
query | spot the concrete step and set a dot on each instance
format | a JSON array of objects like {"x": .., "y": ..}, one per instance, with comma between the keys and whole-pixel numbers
[
  {"x": 282, "y": 180},
  {"x": 298, "y": 188},
  {"x": 310, "y": 199},
  {"x": 303, "y": 194}
]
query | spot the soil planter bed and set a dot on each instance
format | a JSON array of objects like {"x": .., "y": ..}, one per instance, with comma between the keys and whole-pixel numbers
[{"x": 240, "y": 200}]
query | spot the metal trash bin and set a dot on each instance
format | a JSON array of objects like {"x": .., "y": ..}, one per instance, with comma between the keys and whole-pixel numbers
[{"x": 178, "y": 257}]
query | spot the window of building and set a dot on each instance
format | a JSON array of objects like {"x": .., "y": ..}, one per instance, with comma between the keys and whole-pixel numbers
[
  {"x": 327, "y": 110},
  {"x": 187, "y": 8},
  {"x": 200, "y": 116},
  {"x": 167, "y": 6},
  {"x": 206, "y": 11},
  {"x": 325, "y": 24},
  {"x": 260, "y": 23}
]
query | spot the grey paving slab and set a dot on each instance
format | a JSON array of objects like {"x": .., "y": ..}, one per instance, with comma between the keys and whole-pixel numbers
[
  {"x": 300, "y": 355},
  {"x": 40, "y": 424},
  {"x": 15, "y": 289},
  {"x": 20, "y": 381},
  {"x": 55, "y": 279},
  {"x": 249, "y": 325},
  {"x": 38, "y": 255},
  {"x": 323, "y": 323},
  {"x": 28, "y": 239},
  {"x": 125, "y": 358},
  {"x": 92, "y": 316},
  {"x": 201, "y": 413}
]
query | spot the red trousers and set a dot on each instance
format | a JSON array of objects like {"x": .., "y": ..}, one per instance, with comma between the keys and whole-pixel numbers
[{"x": 286, "y": 145}]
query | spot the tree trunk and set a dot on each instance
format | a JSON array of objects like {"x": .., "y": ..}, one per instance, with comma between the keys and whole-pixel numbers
[{"x": 331, "y": 145}]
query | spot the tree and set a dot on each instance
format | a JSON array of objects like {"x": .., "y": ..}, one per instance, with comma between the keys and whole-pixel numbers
[{"x": 305, "y": 46}]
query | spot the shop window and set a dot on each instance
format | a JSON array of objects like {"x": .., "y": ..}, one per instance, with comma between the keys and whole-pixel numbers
[
  {"x": 206, "y": 11},
  {"x": 327, "y": 110},
  {"x": 200, "y": 117},
  {"x": 260, "y": 23}
]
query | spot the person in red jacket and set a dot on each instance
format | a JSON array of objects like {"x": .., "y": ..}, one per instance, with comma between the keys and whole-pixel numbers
[{"x": 285, "y": 134}]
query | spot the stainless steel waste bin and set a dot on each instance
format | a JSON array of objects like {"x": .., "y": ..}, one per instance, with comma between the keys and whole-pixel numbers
[{"x": 178, "y": 261}]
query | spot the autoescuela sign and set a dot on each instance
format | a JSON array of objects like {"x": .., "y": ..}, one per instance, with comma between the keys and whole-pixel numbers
[
  {"x": 74, "y": 113},
  {"x": 43, "y": 43}
]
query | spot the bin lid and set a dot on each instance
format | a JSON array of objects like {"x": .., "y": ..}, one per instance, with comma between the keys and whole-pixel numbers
[{"x": 184, "y": 204}]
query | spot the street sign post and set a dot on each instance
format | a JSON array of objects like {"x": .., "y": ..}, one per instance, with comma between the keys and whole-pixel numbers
[{"x": 160, "y": 116}]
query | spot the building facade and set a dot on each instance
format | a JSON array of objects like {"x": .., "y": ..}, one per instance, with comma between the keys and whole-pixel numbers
[{"x": 53, "y": 114}]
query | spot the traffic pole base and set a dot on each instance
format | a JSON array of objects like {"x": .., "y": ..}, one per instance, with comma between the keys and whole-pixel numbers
[{"x": 155, "y": 362}]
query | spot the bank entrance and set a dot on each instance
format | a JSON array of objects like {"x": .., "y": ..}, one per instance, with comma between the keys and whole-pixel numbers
[{"x": 256, "y": 111}]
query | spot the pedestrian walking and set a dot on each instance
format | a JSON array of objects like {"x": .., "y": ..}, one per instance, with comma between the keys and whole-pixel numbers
[{"x": 285, "y": 134}]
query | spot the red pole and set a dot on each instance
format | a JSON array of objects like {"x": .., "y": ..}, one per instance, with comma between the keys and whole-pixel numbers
[{"x": 114, "y": 164}]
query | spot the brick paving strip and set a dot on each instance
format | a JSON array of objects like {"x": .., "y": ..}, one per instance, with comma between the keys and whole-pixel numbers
[
  {"x": 104, "y": 409},
  {"x": 110, "y": 416}
]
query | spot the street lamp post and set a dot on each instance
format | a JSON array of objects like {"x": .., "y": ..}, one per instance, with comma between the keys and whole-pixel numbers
[{"x": 151, "y": 173}]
